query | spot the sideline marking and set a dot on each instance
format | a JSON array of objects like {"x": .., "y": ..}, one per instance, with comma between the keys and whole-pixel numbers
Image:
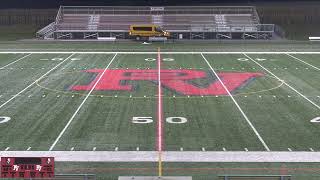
[
  {"x": 238, "y": 106},
  {"x": 303, "y": 62},
  {"x": 82, "y": 103},
  {"x": 44, "y": 75},
  {"x": 152, "y": 52},
  {"x": 316, "y": 105},
  {"x": 172, "y": 156},
  {"x": 15, "y": 61}
]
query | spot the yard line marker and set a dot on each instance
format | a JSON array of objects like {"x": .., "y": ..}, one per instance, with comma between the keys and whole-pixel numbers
[
  {"x": 94, "y": 148},
  {"x": 7, "y": 148},
  {"x": 28, "y": 148},
  {"x": 44, "y": 75},
  {"x": 80, "y": 106},
  {"x": 238, "y": 106},
  {"x": 311, "y": 149},
  {"x": 159, "y": 122},
  {"x": 116, "y": 148},
  {"x": 316, "y": 105},
  {"x": 15, "y": 61},
  {"x": 203, "y": 149},
  {"x": 303, "y": 62},
  {"x": 224, "y": 149},
  {"x": 289, "y": 149}
]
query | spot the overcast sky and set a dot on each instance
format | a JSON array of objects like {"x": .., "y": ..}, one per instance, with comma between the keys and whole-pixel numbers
[{"x": 57, "y": 3}]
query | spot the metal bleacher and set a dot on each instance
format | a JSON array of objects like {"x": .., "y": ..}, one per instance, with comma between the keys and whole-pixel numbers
[{"x": 196, "y": 22}]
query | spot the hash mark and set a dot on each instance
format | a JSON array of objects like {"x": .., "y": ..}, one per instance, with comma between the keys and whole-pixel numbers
[
  {"x": 203, "y": 149},
  {"x": 72, "y": 149},
  {"x": 7, "y": 148},
  {"x": 181, "y": 149},
  {"x": 94, "y": 148},
  {"x": 289, "y": 149},
  {"x": 137, "y": 148},
  {"x": 246, "y": 149},
  {"x": 116, "y": 148},
  {"x": 28, "y": 148},
  {"x": 224, "y": 149},
  {"x": 311, "y": 149}
]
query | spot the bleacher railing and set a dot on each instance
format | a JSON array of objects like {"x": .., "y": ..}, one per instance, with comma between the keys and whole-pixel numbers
[
  {"x": 139, "y": 10},
  {"x": 172, "y": 27}
]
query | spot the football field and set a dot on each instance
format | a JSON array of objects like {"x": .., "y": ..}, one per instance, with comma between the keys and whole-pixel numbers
[{"x": 109, "y": 101}]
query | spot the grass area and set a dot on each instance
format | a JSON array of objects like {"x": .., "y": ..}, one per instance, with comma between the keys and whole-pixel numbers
[
  {"x": 17, "y": 32},
  {"x": 217, "y": 46},
  {"x": 279, "y": 114}
]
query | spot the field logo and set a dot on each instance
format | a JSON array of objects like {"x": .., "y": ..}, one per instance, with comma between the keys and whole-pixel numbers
[{"x": 176, "y": 80}]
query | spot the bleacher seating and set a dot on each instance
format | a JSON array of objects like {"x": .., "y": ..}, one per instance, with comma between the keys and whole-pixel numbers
[{"x": 174, "y": 19}]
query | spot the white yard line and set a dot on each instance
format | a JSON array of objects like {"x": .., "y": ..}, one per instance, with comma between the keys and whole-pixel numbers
[
  {"x": 313, "y": 103},
  {"x": 82, "y": 103},
  {"x": 303, "y": 62},
  {"x": 170, "y": 156},
  {"x": 238, "y": 106},
  {"x": 152, "y": 52},
  {"x": 44, "y": 75},
  {"x": 15, "y": 61}
]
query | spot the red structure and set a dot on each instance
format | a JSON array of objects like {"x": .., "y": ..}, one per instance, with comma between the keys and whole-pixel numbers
[{"x": 27, "y": 167}]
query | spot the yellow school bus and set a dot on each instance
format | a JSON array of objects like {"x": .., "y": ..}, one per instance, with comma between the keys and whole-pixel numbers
[{"x": 143, "y": 31}]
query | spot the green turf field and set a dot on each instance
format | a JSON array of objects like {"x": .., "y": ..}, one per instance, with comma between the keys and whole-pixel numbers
[{"x": 40, "y": 110}]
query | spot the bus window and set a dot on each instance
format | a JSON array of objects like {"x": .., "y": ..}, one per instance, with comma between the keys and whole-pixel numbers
[{"x": 158, "y": 29}]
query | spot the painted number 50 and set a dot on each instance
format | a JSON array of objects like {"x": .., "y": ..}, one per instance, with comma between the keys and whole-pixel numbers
[{"x": 147, "y": 120}]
